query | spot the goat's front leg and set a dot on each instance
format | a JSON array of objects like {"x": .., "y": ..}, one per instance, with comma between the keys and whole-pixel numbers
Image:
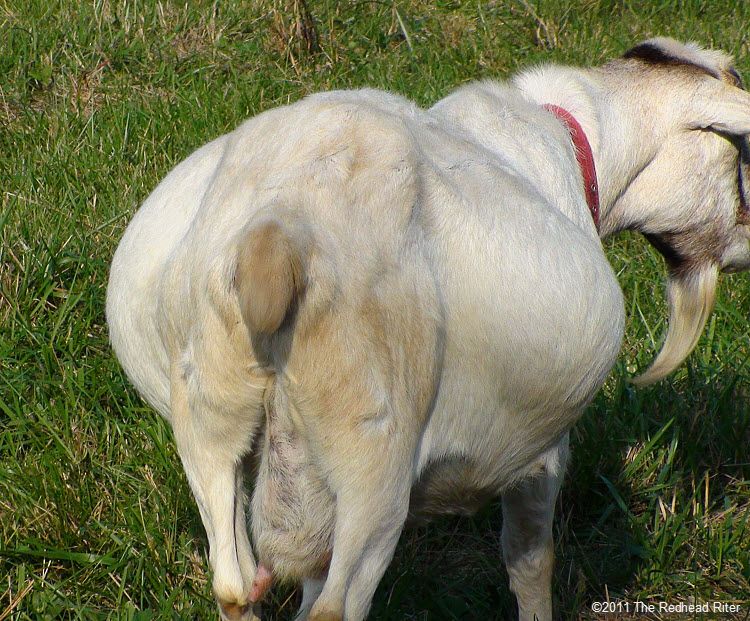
[
  {"x": 372, "y": 497},
  {"x": 528, "y": 510},
  {"x": 211, "y": 449}
]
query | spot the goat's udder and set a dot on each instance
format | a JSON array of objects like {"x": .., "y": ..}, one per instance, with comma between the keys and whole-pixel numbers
[{"x": 261, "y": 583}]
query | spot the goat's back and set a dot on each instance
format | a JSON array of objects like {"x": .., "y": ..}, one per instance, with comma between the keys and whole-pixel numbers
[{"x": 518, "y": 301}]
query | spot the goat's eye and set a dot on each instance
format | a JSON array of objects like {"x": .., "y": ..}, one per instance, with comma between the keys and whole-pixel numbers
[{"x": 736, "y": 78}]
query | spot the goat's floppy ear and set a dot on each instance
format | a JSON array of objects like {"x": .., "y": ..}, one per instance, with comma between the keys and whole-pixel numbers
[
  {"x": 691, "y": 296},
  {"x": 720, "y": 107}
]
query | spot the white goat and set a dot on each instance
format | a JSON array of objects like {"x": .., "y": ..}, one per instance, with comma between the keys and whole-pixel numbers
[{"x": 399, "y": 310}]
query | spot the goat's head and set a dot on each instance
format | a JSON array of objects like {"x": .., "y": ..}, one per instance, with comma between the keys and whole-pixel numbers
[{"x": 690, "y": 198}]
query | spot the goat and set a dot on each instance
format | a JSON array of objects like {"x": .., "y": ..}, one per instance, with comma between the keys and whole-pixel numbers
[{"x": 403, "y": 311}]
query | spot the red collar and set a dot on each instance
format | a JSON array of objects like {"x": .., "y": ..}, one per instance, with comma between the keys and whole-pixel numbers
[{"x": 584, "y": 156}]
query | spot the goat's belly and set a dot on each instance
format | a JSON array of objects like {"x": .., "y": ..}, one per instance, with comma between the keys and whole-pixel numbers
[
  {"x": 143, "y": 255},
  {"x": 479, "y": 441},
  {"x": 450, "y": 486},
  {"x": 533, "y": 324}
]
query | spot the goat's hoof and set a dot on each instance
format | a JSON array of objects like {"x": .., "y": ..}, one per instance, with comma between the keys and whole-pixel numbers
[{"x": 232, "y": 611}]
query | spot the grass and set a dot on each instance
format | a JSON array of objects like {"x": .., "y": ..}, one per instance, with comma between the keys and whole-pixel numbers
[{"x": 98, "y": 100}]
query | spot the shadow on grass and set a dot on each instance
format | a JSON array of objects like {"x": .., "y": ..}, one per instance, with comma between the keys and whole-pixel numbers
[{"x": 655, "y": 505}]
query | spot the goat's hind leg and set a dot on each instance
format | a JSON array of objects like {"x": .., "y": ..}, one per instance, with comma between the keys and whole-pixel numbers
[
  {"x": 528, "y": 549},
  {"x": 372, "y": 499},
  {"x": 211, "y": 450}
]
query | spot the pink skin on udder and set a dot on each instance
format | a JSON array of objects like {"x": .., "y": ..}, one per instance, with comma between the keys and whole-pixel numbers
[{"x": 261, "y": 583}]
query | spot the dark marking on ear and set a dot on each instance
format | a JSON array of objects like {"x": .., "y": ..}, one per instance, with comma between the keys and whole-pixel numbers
[{"x": 654, "y": 55}]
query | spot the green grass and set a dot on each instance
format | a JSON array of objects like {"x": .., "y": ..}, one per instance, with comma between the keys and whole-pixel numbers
[{"x": 98, "y": 100}]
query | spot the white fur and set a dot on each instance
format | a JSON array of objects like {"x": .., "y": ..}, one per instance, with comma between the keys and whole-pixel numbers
[{"x": 457, "y": 310}]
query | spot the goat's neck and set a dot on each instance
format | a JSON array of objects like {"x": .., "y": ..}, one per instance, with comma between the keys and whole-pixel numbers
[{"x": 622, "y": 143}]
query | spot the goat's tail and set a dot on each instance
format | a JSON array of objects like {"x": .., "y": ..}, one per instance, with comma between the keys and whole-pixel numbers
[
  {"x": 691, "y": 295},
  {"x": 271, "y": 271}
]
